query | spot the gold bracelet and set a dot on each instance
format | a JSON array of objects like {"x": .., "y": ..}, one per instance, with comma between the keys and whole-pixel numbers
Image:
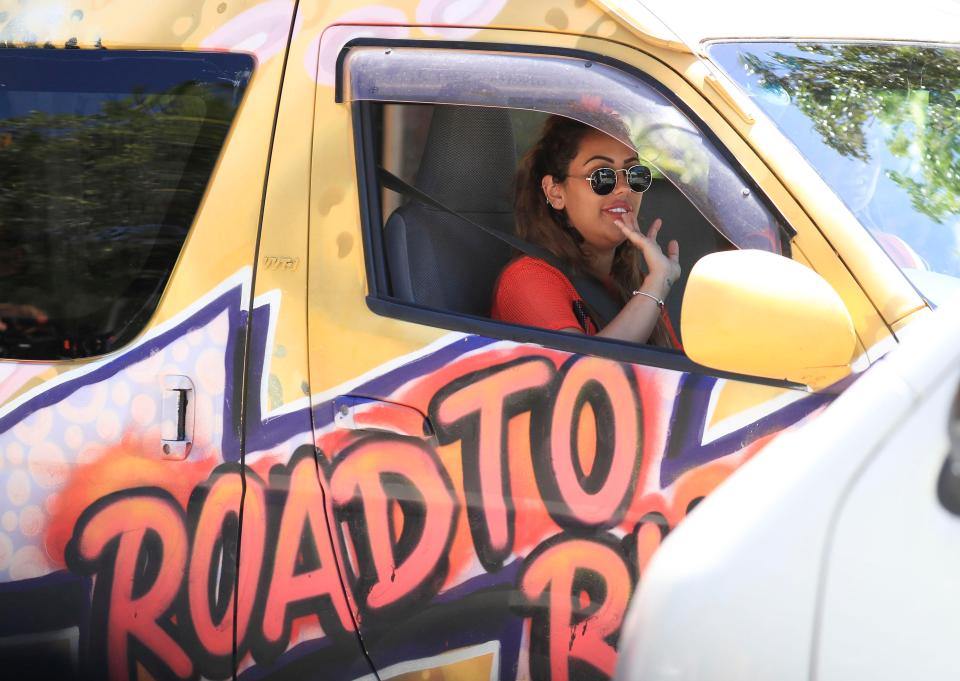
[{"x": 652, "y": 297}]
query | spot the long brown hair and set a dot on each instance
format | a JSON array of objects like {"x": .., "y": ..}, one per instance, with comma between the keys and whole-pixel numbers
[{"x": 540, "y": 223}]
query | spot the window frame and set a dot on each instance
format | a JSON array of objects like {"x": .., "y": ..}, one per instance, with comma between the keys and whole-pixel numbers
[{"x": 381, "y": 303}]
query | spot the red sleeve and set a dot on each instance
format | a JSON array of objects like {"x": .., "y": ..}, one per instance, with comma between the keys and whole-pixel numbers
[{"x": 533, "y": 293}]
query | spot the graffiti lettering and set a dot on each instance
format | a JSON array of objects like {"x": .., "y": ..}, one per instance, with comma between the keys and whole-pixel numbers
[
  {"x": 645, "y": 539},
  {"x": 159, "y": 595},
  {"x": 136, "y": 544},
  {"x": 475, "y": 409},
  {"x": 590, "y": 489},
  {"x": 212, "y": 572},
  {"x": 367, "y": 479},
  {"x": 304, "y": 576},
  {"x": 578, "y": 590},
  {"x": 549, "y": 458}
]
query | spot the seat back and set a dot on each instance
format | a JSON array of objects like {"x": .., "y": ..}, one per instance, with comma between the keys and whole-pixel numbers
[{"x": 435, "y": 258}]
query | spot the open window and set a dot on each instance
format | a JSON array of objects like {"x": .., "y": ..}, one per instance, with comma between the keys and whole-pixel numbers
[{"x": 452, "y": 124}]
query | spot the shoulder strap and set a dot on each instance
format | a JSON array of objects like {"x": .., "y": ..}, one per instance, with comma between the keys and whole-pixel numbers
[{"x": 599, "y": 303}]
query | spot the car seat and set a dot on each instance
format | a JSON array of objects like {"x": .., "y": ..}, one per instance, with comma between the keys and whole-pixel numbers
[{"x": 436, "y": 259}]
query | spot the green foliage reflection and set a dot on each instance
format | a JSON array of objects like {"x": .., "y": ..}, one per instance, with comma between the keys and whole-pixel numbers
[
  {"x": 908, "y": 93},
  {"x": 98, "y": 193}
]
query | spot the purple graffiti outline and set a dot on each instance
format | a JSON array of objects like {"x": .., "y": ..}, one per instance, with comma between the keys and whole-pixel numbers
[{"x": 685, "y": 449}]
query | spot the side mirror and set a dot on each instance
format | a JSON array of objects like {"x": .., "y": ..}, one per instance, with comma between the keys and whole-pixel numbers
[{"x": 756, "y": 313}]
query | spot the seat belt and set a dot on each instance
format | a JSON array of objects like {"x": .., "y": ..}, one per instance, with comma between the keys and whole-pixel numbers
[{"x": 594, "y": 295}]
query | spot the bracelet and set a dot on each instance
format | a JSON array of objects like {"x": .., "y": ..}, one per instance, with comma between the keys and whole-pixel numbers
[{"x": 652, "y": 297}]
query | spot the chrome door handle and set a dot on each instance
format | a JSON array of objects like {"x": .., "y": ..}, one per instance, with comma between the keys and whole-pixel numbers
[{"x": 177, "y": 416}]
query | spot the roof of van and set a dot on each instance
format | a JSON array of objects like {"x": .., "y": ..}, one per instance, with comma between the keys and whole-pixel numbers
[{"x": 702, "y": 20}]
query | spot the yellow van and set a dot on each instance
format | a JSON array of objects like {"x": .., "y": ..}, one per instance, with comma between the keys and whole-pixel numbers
[{"x": 256, "y": 420}]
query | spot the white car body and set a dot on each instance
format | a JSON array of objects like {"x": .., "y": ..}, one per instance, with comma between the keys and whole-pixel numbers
[{"x": 829, "y": 557}]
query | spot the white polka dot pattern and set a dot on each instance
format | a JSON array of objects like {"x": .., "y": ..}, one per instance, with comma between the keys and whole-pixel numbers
[{"x": 39, "y": 454}]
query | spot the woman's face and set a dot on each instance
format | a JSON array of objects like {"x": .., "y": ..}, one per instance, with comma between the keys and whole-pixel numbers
[{"x": 593, "y": 215}]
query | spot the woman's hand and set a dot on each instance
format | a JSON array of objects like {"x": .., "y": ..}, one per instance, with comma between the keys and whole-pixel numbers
[{"x": 664, "y": 269}]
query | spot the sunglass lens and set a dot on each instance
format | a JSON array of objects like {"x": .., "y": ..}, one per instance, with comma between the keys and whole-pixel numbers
[
  {"x": 639, "y": 178},
  {"x": 603, "y": 180}
]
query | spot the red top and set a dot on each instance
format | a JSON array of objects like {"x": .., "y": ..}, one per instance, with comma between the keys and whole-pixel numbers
[{"x": 533, "y": 292}]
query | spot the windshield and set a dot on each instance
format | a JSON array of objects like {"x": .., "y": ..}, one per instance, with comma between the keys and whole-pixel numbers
[{"x": 881, "y": 124}]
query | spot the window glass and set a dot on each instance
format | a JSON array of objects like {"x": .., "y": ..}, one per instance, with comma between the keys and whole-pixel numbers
[
  {"x": 104, "y": 158},
  {"x": 881, "y": 124},
  {"x": 593, "y": 93},
  {"x": 465, "y": 158}
]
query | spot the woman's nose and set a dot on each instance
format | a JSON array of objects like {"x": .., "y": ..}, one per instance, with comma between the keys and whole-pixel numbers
[{"x": 622, "y": 187}]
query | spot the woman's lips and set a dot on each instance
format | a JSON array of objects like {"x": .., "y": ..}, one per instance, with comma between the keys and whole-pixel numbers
[{"x": 617, "y": 209}]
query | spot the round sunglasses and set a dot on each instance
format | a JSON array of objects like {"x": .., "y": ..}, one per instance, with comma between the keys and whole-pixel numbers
[{"x": 604, "y": 180}]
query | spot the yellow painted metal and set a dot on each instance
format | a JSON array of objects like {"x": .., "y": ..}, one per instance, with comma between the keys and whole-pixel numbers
[
  {"x": 644, "y": 23},
  {"x": 787, "y": 322},
  {"x": 737, "y": 401},
  {"x": 717, "y": 86},
  {"x": 282, "y": 266}
]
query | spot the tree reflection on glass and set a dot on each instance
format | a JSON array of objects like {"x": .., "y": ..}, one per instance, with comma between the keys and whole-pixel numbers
[
  {"x": 910, "y": 91},
  {"x": 99, "y": 191},
  {"x": 881, "y": 122}
]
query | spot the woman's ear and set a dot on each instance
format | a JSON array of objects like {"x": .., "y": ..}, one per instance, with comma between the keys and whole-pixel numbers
[{"x": 553, "y": 191}]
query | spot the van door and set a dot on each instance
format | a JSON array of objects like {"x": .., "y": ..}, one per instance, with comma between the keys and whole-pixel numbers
[{"x": 497, "y": 490}]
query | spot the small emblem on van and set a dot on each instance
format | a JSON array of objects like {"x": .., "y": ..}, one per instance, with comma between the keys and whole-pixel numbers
[{"x": 280, "y": 262}]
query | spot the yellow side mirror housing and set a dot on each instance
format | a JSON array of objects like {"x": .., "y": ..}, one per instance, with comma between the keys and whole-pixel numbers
[{"x": 756, "y": 313}]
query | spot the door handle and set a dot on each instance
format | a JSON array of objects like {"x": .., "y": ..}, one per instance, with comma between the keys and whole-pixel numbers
[
  {"x": 352, "y": 412},
  {"x": 177, "y": 416}
]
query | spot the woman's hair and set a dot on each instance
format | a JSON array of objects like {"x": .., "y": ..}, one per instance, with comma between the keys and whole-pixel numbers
[{"x": 539, "y": 223}]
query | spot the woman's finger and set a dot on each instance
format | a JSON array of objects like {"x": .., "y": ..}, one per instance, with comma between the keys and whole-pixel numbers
[
  {"x": 673, "y": 250},
  {"x": 635, "y": 236},
  {"x": 654, "y": 229}
]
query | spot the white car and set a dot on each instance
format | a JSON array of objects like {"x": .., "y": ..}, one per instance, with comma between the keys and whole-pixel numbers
[{"x": 834, "y": 555}]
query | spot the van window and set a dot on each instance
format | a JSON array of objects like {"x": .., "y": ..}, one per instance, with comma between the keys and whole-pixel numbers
[
  {"x": 104, "y": 158},
  {"x": 454, "y": 124}
]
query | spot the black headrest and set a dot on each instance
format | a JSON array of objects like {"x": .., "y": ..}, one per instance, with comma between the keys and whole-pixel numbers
[{"x": 469, "y": 159}]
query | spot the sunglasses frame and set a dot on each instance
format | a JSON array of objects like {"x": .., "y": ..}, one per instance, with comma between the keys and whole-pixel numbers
[{"x": 616, "y": 173}]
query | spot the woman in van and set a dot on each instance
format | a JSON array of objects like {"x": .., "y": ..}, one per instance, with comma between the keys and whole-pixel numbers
[{"x": 578, "y": 195}]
